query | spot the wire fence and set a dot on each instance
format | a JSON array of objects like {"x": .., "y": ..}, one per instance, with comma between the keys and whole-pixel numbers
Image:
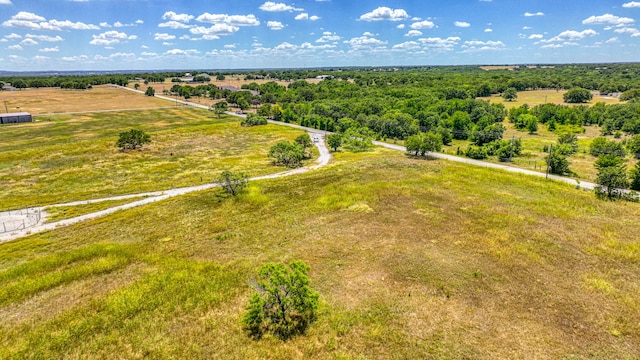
[{"x": 16, "y": 220}]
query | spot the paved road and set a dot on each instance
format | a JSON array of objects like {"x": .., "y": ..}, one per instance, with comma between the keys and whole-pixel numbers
[{"x": 150, "y": 197}]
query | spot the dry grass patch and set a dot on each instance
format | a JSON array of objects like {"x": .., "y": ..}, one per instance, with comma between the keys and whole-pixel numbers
[
  {"x": 538, "y": 97},
  {"x": 53, "y": 100}
]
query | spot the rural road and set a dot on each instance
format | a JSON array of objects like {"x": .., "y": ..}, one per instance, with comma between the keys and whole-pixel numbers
[
  {"x": 322, "y": 160},
  {"x": 150, "y": 197}
]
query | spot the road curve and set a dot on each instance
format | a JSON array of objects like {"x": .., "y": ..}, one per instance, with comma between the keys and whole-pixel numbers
[{"x": 151, "y": 197}]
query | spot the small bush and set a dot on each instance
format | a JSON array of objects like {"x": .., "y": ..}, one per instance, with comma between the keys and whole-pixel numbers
[{"x": 253, "y": 120}]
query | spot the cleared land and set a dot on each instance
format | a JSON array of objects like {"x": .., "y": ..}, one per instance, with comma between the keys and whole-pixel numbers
[
  {"x": 413, "y": 259},
  {"x": 53, "y": 100},
  {"x": 538, "y": 97},
  {"x": 73, "y": 157}
]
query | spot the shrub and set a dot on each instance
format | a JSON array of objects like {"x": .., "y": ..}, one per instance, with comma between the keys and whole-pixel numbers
[
  {"x": 282, "y": 304},
  {"x": 602, "y": 146},
  {"x": 132, "y": 139},
  {"x": 253, "y": 120},
  {"x": 287, "y": 154},
  {"x": 577, "y": 95},
  {"x": 232, "y": 183},
  {"x": 476, "y": 152}
]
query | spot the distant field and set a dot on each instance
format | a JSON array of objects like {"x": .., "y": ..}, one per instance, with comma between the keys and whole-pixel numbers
[
  {"x": 412, "y": 259},
  {"x": 50, "y": 100},
  {"x": 73, "y": 157},
  {"x": 537, "y": 97}
]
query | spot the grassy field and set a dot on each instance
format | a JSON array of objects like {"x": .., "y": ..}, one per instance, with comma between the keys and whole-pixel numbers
[
  {"x": 57, "y": 213},
  {"x": 54, "y": 100},
  {"x": 72, "y": 157},
  {"x": 412, "y": 259},
  {"x": 538, "y": 97}
]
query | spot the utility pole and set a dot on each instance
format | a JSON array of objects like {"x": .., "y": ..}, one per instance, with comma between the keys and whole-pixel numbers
[
  {"x": 6, "y": 109},
  {"x": 549, "y": 160}
]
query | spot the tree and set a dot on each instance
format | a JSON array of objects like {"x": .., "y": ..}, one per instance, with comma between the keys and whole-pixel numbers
[
  {"x": 220, "y": 108},
  {"x": 220, "y": 77},
  {"x": 422, "y": 143},
  {"x": 357, "y": 139},
  {"x": 132, "y": 139},
  {"x": 558, "y": 164},
  {"x": 243, "y": 104},
  {"x": 287, "y": 154},
  {"x": 633, "y": 145},
  {"x": 232, "y": 183},
  {"x": 334, "y": 141},
  {"x": 510, "y": 94},
  {"x": 612, "y": 176},
  {"x": 571, "y": 140},
  {"x": 136, "y": 86},
  {"x": 253, "y": 120},
  {"x": 532, "y": 125},
  {"x": 634, "y": 176},
  {"x": 601, "y": 146},
  {"x": 631, "y": 94},
  {"x": 150, "y": 91},
  {"x": 282, "y": 303},
  {"x": 577, "y": 96}
]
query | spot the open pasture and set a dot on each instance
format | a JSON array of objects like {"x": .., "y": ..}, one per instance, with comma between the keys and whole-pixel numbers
[
  {"x": 538, "y": 97},
  {"x": 54, "y": 100},
  {"x": 412, "y": 259},
  {"x": 73, "y": 157}
]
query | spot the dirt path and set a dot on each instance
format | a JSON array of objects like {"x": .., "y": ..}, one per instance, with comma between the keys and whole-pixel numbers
[{"x": 151, "y": 197}]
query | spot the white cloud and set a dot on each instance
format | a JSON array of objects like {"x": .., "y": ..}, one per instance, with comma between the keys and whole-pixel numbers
[
  {"x": 305, "y": 16},
  {"x": 462, "y": 24},
  {"x": 13, "y": 36},
  {"x": 213, "y": 32},
  {"x": 271, "y": 6},
  {"x": 446, "y": 44},
  {"x": 66, "y": 24},
  {"x": 409, "y": 45},
  {"x": 285, "y": 46},
  {"x": 40, "y": 58},
  {"x": 80, "y": 58},
  {"x": 110, "y": 38},
  {"x": 535, "y": 36},
  {"x": 412, "y": 33},
  {"x": 15, "y": 47},
  {"x": 172, "y": 16},
  {"x": 607, "y": 19},
  {"x": 5, "y": 2},
  {"x": 539, "y": 13},
  {"x": 234, "y": 20},
  {"x": 47, "y": 38},
  {"x": 163, "y": 37},
  {"x": 182, "y": 52},
  {"x": 571, "y": 35},
  {"x": 146, "y": 53},
  {"x": 27, "y": 20},
  {"x": 488, "y": 30},
  {"x": 628, "y": 30},
  {"x": 559, "y": 45},
  {"x": 174, "y": 25},
  {"x": 314, "y": 17},
  {"x": 426, "y": 24},
  {"x": 363, "y": 42},
  {"x": 28, "y": 42},
  {"x": 328, "y": 37},
  {"x": 526, "y": 28},
  {"x": 401, "y": 26},
  {"x": 50, "y": 50},
  {"x": 633, "y": 4},
  {"x": 477, "y": 45},
  {"x": 612, "y": 40},
  {"x": 385, "y": 13},
  {"x": 275, "y": 25}
]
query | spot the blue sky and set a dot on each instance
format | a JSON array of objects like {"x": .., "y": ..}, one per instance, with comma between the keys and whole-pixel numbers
[{"x": 205, "y": 34}]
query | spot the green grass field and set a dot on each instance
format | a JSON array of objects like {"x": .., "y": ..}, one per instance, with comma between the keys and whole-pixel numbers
[
  {"x": 73, "y": 157},
  {"x": 412, "y": 259}
]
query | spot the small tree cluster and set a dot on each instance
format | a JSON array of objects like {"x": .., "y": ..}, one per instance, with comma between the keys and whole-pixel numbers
[
  {"x": 282, "y": 304},
  {"x": 132, "y": 139},
  {"x": 577, "y": 96},
  {"x": 357, "y": 139},
  {"x": 253, "y": 120},
  {"x": 150, "y": 91},
  {"x": 423, "y": 143},
  {"x": 612, "y": 176},
  {"x": 334, "y": 141},
  {"x": 287, "y": 154},
  {"x": 510, "y": 94},
  {"x": 220, "y": 108},
  {"x": 603, "y": 146}
]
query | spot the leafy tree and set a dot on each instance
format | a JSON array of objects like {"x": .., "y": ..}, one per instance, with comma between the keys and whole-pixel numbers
[
  {"x": 287, "y": 154},
  {"x": 357, "y": 139},
  {"x": 422, "y": 143},
  {"x": 220, "y": 108},
  {"x": 532, "y": 125},
  {"x": 232, "y": 183},
  {"x": 571, "y": 140},
  {"x": 633, "y": 145},
  {"x": 132, "y": 139},
  {"x": 631, "y": 94},
  {"x": 461, "y": 125},
  {"x": 253, "y": 120},
  {"x": 243, "y": 104},
  {"x": 136, "y": 86},
  {"x": 488, "y": 134},
  {"x": 558, "y": 164},
  {"x": 510, "y": 94},
  {"x": 577, "y": 96},
  {"x": 282, "y": 303},
  {"x": 476, "y": 152},
  {"x": 264, "y": 110},
  {"x": 150, "y": 91},
  {"x": 612, "y": 175},
  {"x": 634, "y": 176},
  {"x": 602, "y": 146},
  {"x": 220, "y": 77},
  {"x": 304, "y": 140},
  {"x": 334, "y": 141},
  {"x": 445, "y": 134}
]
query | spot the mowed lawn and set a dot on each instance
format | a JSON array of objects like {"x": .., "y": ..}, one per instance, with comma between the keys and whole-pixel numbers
[
  {"x": 55, "y": 100},
  {"x": 73, "y": 157},
  {"x": 412, "y": 259}
]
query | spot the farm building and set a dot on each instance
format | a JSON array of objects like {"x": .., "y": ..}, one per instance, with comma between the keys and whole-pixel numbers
[{"x": 12, "y": 118}]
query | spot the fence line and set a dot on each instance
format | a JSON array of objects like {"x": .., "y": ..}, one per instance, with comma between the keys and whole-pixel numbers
[{"x": 30, "y": 218}]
